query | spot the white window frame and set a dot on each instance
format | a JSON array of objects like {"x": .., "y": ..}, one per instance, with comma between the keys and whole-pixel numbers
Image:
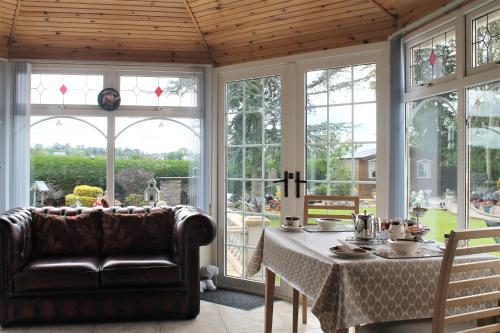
[
  {"x": 111, "y": 80},
  {"x": 462, "y": 80},
  {"x": 417, "y": 39},
  {"x": 427, "y": 167},
  {"x": 471, "y": 16}
]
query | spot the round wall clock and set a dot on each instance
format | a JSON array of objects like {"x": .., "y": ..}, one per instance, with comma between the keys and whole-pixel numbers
[{"x": 109, "y": 99}]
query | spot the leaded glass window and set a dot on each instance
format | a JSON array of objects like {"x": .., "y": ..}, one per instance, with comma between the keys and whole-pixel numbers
[
  {"x": 158, "y": 91},
  {"x": 63, "y": 89},
  {"x": 486, "y": 38},
  {"x": 433, "y": 58}
]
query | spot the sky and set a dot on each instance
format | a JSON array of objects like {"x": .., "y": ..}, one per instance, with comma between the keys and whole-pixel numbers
[{"x": 152, "y": 136}]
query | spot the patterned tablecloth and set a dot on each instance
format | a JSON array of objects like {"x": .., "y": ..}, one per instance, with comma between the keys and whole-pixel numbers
[{"x": 348, "y": 292}]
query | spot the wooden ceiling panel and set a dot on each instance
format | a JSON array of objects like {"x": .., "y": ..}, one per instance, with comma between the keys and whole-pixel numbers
[
  {"x": 159, "y": 31},
  {"x": 7, "y": 13},
  {"x": 196, "y": 31}
]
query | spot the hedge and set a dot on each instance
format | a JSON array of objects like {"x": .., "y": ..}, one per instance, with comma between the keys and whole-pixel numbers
[{"x": 66, "y": 172}]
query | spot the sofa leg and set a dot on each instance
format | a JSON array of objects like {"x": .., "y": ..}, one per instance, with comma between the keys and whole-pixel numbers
[{"x": 191, "y": 316}]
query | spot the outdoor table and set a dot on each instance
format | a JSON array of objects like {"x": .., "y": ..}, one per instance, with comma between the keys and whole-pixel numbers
[{"x": 346, "y": 292}]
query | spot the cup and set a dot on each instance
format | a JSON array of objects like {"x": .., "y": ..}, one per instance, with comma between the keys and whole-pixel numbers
[{"x": 292, "y": 221}]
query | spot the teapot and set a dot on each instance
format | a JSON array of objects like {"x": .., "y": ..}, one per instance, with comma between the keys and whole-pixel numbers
[
  {"x": 397, "y": 230},
  {"x": 364, "y": 226}
]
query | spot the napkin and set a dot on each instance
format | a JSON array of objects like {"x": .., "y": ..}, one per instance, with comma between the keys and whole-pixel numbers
[{"x": 348, "y": 247}]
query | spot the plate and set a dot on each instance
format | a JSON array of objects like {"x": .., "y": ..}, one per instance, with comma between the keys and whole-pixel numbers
[
  {"x": 349, "y": 255},
  {"x": 293, "y": 229}
]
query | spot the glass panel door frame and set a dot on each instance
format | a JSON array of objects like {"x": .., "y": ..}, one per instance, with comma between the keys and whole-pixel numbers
[
  {"x": 380, "y": 58},
  {"x": 286, "y": 164}
]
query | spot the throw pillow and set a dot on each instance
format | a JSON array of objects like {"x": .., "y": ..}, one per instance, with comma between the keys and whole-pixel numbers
[
  {"x": 55, "y": 235},
  {"x": 137, "y": 233}
]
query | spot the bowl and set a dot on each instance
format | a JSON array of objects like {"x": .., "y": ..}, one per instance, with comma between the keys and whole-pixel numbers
[
  {"x": 327, "y": 224},
  {"x": 404, "y": 246}
]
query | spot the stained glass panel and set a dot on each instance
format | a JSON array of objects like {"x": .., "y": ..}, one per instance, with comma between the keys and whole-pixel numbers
[
  {"x": 433, "y": 58},
  {"x": 158, "y": 91},
  {"x": 486, "y": 38},
  {"x": 62, "y": 89}
]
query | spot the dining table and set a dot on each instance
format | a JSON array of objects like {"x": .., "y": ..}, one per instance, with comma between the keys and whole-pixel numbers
[{"x": 348, "y": 292}]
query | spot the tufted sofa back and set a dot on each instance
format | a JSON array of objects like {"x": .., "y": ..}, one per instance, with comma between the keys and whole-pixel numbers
[{"x": 18, "y": 247}]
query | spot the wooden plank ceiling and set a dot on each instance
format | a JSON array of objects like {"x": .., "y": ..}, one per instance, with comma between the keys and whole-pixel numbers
[{"x": 196, "y": 31}]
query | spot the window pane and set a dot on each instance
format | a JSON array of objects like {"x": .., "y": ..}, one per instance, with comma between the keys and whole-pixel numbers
[
  {"x": 159, "y": 91},
  {"x": 65, "y": 89},
  {"x": 253, "y": 161},
  {"x": 68, "y": 160},
  {"x": 484, "y": 155},
  {"x": 432, "y": 139},
  {"x": 486, "y": 38},
  {"x": 341, "y": 135},
  {"x": 154, "y": 167},
  {"x": 433, "y": 58}
]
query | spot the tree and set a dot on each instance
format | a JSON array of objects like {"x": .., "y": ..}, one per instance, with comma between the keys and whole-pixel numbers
[{"x": 131, "y": 181}]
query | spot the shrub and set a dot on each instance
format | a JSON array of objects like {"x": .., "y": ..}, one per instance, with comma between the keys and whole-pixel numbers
[
  {"x": 84, "y": 201},
  {"x": 66, "y": 172},
  {"x": 88, "y": 191},
  {"x": 135, "y": 200}
]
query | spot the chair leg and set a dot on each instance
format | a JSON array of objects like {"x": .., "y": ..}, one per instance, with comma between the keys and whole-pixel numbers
[
  {"x": 269, "y": 301},
  {"x": 295, "y": 311},
  {"x": 304, "y": 309}
]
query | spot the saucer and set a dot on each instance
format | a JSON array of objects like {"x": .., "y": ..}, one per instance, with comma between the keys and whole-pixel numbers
[{"x": 293, "y": 229}]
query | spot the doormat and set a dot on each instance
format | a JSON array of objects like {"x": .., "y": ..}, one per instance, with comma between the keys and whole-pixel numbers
[{"x": 234, "y": 299}]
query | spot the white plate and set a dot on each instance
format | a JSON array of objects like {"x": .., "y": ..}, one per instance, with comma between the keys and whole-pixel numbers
[
  {"x": 289, "y": 228},
  {"x": 349, "y": 255}
]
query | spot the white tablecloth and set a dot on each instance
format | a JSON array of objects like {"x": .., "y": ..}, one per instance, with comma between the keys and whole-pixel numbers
[{"x": 347, "y": 293}]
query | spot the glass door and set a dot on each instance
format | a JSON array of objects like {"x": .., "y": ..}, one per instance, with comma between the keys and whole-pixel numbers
[
  {"x": 254, "y": 193},
  {"x": 325, "y": 133},
  {"x": 340, "y": 138}
]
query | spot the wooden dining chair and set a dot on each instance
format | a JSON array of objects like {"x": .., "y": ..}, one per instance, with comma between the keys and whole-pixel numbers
[
  {"x": 329, "y": 204},
  {"x": 490, "y": 268},
  {"x": 326, "y": 206}
]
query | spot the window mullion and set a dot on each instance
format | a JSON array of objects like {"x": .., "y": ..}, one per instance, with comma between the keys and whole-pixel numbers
[{"x": 110, "y": 160}]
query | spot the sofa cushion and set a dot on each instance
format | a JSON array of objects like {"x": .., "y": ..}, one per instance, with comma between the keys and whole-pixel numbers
[
  {"x": 70, "y": 273},
  {"x": 143, "y": 270},
  {"x": 137, "y": 233},
  {"x": 78, "y": 235}
]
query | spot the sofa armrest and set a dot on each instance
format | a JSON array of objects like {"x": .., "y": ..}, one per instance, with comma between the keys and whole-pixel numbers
[
  {"x": 16, "y": 243},
  {"x": 192, "y": 228}
]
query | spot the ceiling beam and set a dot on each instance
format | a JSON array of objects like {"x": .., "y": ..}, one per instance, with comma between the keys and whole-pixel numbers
[
  {"x": 12, "y": 34},
  {"x": 195, "y": 22},
  {"x": 393, "y": 17}
]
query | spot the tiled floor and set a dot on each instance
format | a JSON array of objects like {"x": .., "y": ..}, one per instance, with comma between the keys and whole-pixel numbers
[{"x": 215, "y": 318}]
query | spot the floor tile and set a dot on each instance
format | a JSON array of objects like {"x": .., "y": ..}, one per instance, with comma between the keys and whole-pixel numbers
[{"x": 208, "y": 321}]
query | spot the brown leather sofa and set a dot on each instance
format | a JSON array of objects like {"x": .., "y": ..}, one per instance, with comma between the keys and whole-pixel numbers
[{"x": 122, "y": 263}]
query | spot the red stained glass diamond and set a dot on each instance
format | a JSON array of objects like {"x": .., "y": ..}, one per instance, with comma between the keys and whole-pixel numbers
[
  {"x": 63, "y": 89},
  {"x": 432, "y": 58},
  {"x": 158, "y": 91}
]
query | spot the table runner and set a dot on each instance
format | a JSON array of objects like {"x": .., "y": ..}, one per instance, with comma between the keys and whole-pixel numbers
[{"x": 351, "y": 292}]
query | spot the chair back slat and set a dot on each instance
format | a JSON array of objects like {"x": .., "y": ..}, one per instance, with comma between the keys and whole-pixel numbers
[
  {"x": 329, "y": 203},
  {"x": 464, "y": 300},
  {"x": 488, "y": 268},
  {"x": 476, "y": 266}
]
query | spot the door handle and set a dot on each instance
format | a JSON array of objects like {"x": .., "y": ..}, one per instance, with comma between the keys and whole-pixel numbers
[
  {"x": 298, "y": 181},
  {"x": 284, "y": 180}
]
